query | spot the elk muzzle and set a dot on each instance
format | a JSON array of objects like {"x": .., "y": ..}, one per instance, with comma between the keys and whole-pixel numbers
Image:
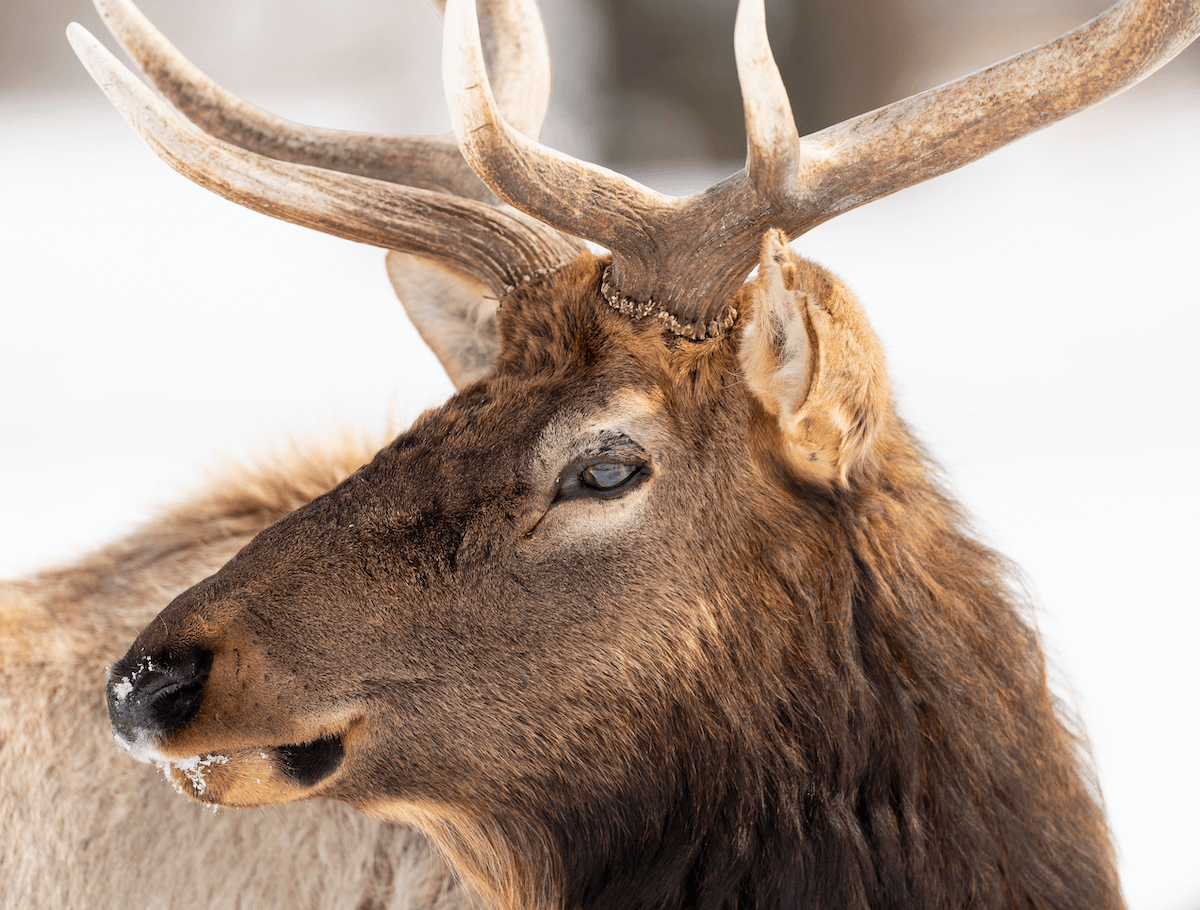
[{"x": 156, "y": 696}]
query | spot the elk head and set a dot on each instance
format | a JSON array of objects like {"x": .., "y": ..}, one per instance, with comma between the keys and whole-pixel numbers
[{"x": 668, "y": 561}]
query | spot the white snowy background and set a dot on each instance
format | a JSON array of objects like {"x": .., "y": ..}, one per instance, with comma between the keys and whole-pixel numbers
[{"x": 1040, "y": 310}]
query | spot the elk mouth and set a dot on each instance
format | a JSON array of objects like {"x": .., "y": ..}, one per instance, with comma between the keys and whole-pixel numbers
[
  {"x": 156, "y": 706},
  {"x": 248, "y": 777}
]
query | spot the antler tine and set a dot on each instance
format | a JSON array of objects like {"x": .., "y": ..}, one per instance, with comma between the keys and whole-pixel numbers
[
  {"x": 498, "y": 248},
  {"x": 514, "y": 45},
  {"x": 536, "y": 179},
  {"x": 772, "y": 141},
  {"x": 518, "y": 54}
]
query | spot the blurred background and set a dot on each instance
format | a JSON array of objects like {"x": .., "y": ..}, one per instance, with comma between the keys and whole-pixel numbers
[{"x": 1039, "y": 307}]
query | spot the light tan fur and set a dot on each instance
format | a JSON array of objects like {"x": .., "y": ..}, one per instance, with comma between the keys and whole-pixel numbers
[{"x": 505, "y": 868}]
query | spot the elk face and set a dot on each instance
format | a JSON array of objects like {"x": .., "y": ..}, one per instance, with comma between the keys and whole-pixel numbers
[
  {"x": 466, "y": 601},
  {"x": 513, "y": 599}
]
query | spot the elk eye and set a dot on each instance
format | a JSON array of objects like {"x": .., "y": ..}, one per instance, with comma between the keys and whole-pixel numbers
[
  {"x": 607, "y": 475},
  {"x": 608, "y": 468},
  {"x": 601, "y": 476}
]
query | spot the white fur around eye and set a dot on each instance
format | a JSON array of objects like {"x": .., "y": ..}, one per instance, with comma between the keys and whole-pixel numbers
[{"x": 560, "y": 450}]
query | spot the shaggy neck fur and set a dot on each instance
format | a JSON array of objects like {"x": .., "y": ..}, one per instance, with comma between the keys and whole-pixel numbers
[
  {"x": 878, "y": 732},
  {"x": 904, "y": 751}
]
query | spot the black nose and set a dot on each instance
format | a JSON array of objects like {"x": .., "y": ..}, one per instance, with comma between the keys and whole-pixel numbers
[{"x": 156, "y": 694}]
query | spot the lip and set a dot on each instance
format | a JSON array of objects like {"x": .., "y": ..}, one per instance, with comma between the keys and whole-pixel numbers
[{"x": 254, "y": 776}]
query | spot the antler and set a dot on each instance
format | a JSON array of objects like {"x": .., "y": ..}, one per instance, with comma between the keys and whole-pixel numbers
[
  {"x": 517, "y": 53},
  {"x": 791, "y": 183},
  {"x": 340, "y": 182},
  {"x": 346, "y": 183}
]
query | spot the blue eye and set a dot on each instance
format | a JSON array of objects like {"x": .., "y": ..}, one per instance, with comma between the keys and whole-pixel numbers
[{"x": 607, "y": 475}]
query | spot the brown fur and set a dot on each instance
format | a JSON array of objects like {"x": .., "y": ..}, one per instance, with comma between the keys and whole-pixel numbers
[
  {"x": 750, "y": 679},
  {"x": 82, "y": 826}
]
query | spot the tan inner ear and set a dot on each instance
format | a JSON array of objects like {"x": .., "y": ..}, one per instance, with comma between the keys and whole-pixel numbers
[
  {"x": 454, "y": 314},
  {"x": 780, "y": 348},
  {"x": 814, "y": 363}
]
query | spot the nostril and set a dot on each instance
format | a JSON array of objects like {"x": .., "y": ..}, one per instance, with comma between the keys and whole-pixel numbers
[{"x": 159, "y": 693}]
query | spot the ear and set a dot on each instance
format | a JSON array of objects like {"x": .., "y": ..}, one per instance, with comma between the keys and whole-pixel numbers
[
  {"x": 814, "y": 363},
  {"x": 453, "y": 313}
]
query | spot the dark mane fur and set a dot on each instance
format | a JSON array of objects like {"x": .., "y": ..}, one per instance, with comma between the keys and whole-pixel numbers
[{"x": 903, "y": 753}]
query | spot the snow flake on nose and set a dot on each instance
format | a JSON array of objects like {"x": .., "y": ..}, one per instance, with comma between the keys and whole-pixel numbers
[{"x": 121, "y": 689}]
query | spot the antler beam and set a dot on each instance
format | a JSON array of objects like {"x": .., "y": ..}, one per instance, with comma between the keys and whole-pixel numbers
[
  {"x": 518, "y": 55},
  {"x": 944, "y": 128},
  {"x": 500, "y": 249}
]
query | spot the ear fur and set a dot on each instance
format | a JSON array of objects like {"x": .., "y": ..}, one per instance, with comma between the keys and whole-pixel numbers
[
  {"x": 452, "y": 312},
  {"x": 813, "y": 362}
]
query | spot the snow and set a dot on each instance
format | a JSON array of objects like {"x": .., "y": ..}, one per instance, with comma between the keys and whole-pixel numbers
[
  {"x": 194, "y": 768},
  {"x": 1039, "y": 309},
  {"x": 122, "y": 689}
]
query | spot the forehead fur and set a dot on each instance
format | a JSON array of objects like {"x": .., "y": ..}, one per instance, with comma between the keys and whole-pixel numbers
[{"x": 560, "y": 326}]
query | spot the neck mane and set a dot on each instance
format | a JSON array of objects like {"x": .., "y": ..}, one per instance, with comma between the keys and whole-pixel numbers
[{"x": 906, "y": 755}]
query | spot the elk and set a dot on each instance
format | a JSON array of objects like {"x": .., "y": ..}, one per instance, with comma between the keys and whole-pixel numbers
[{"x": 664, "y": 607}]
